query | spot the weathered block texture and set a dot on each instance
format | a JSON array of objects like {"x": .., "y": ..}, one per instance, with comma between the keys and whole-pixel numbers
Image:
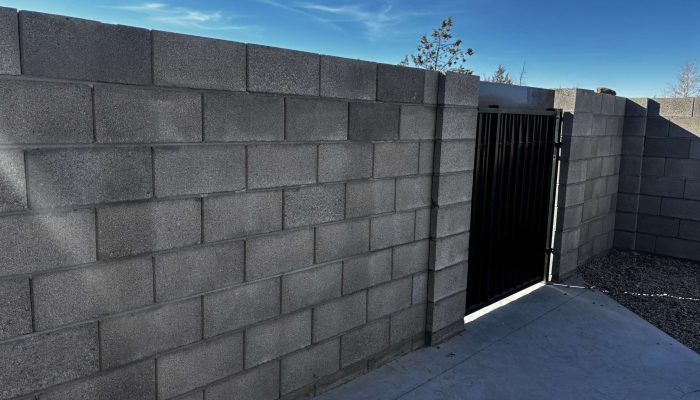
[
  {"x": 281, "y": 165},
  {"x": 348, "y": 79},
  {"x": 241, "y": 214},
  {"x": 228, "y": 310},
  {"x": 9, "y": 42},
  {"x": 258, "y": 383},
  {"x": 309, "y": 119},
  {"x": 275, "y": 70},
  {"x": 15, "y": 308},
  {"x": 243, "y": 117},
  {"x": 276, "y": 254},
  {"x": 276, "y": 338},
  {"x": 13, "y": 186}
]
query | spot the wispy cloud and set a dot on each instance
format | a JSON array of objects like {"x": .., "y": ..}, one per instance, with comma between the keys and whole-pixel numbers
[{"x": 182, "y": 16}]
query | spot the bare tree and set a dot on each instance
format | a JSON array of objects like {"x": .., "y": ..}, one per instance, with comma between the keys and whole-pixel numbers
[
  {"x": 688, "y": 82},
  {"x": 521, "y": 79},
  {"x": 500, "y": 76},
  {"x": 440, "y": 52}
]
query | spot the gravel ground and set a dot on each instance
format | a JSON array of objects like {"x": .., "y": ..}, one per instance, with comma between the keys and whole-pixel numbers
[{"x": 664, "y": 291}]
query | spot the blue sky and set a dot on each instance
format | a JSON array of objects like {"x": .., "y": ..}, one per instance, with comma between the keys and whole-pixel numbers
[{"x": 633, "y": 46}]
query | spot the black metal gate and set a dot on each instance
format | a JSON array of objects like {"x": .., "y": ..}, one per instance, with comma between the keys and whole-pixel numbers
[{"x": 512, "y": 202}]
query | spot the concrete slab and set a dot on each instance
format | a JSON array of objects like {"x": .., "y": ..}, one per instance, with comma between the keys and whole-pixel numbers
[{"x": 556, "y": 342}]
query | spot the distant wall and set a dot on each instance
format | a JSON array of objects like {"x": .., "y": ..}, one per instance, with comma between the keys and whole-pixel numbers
[{"x": 184, "y": 217}]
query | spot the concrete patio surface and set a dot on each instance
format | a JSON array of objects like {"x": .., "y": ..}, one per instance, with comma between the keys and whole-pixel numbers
[{"x": 556, "y": 342}]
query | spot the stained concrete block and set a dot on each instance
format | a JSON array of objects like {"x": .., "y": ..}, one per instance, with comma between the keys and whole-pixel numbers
[
  {"x": 313, "y": 205},
  {"x": 275, "y": 70},
  {"x": 391, "y": 230},
  {"x": 45, "y": 112},
  {"x": 446, "y": 311},
  {"x": 389, "y": 298},
  {"x": 410, "y": 258},
  {"x": 420, "y": 288},
  {"x": 15, "y": 308},
  {"x": 340, "y": 162},
  {"x": 13, "y": 190},
  {"x": 80, "y": 294},
  {"x": 366, "y": 270},
  {"x": 142, "y": 227},
  {"x": 232, "y": 309},
  {"x": 260, "y": 383},
  {"x": 348, "y": 79},
  {"x": 306, "y": 366},
  {"x": 456, "y": 123},
  {"x": 137, "y": 335},
  {"x": 373, "y": 121},
  {"x": 369, "y": 197},
  {"x": 364, "y": 342},
  {"x": 241, "y": 214},
  {"x": 185, "y": 170},
  {"x": 408, "y": 323},
  {"x": 456, "y": 155},
  {"x": 430, "y": 87},
  {"x": 425, "y": 158},
  {"x": 136, "y": 382},
  {"x": 311, "y": 119},
  {"x": 201, "y": 269},
  {"x": 458, "y": 89},
  {"x": 452, "y": 219},
  {"x": 40, "y": 361},
  {"x": 281, "y": 165},
  {"x": 341, "y": 240},
  {"x": 413, "y": 192},
  {"x": 276, "y": 338},
  {"x": 450, "y": 250},
  {"x": 453, "y": 188},
  {"x": 448, "y": 281},
  {"x": 198, "y": 62},
  {"x": 311, "y": 286},
  {"x": 67, "y": 177},
  {"x": 31, "y": 243},
  {"x": 243, "y": 117},
  {"x": 423, "y": 223},
  {"x": 200, "y": 364},
  {"x": 9, "y": 42},
  {"x": 395, "y": 159},
  {"x": 55, "y": 46},
  {"x": 339, "y": 316},
  {"x": 280, "y": 253},
  {"x": 400, "y": 84},
  {"x": 417, "y": 122}
]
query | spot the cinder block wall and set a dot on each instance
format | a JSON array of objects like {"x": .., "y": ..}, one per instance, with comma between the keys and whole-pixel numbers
[
  {"x": 659, "y": 201},
  {"x": 184, "y": 217},
  {"x": 589, "y": 176}
]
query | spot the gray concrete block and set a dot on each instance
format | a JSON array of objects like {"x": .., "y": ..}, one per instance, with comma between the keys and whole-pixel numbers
[
  {"x": 389, "y": 298},
  {"x": 689, "y": 230},
  {"x": 15, "y": 308},
  {"x": 232, "y": 309},
  {"x": 583, "y": 124},
  {"x": 199, "y": 364},
  {"x": 574, "y": 194},
  {"x": 142, "y": 334},
  {"x": 280, "y": 253},
  {"x": 364, "y": 342},
  {"x": 131, "y": 115},
  {"x": 452, "y": 219},
  {"x": 339, "y": 316},
  {"x": 67, "y": 177},
  {"x": 275, "y": 70},
  {"x": 61, "y": 47},
  {"x": 395, "y": 159},
  {"x": 624, "y": 240},
  {"x": 13, "y": 189},
  {"x": 308, "y": 365},
  {"x": 417, "y": 122},
  {"x": 340, "y": 162},
  {"x": 627, "y": 202},
  {"x": 456, "y": 123},
  {"x": 185, "y": 170},
  {"x": 241, "y": 214},
  {"x": 85, "y": 293},
  {"x": 139, "y": 228},
  {"x": 373, "y": 121},
  {"x": 450, "y": 250},
  {"x": 311, "y": 286},
  {"x": 400, "y": 84},
  {"x": 447, "y": 311},
  {"x": 408, "y": 323},
  {"x": 341, "y": 240},
  {"x": 634, "y": 126},
  {"x": 348, "y": 79},
  {"x": 684, "y": 127},
  {"x": 657, "y": 127},
  {"x": 243, "y": 117},
  {"x": 40, "y": 361},
  {"x": 636, "y": 107},
  {"x": 646, "y": 243},
  {"x": 678, "y": 248},
  {"x": 413, "y": 192},
  {"x": 311, "y": 205},
  {"x": 456, "y": 156},
  {"x": 677, "y": 148},
  {"x": 410, "y": 258},
  {"x": 31, "y": 243},
  {"x": 135, "y": 382},
  {"x": 366, "y": 270},
  {"x": 608, "y": 103},
  {"x": 611, "y": 166},
  {"x": 45, "y": 112},
  {"x": 613, "y": 125},
  {"x": 458, "y": 89},
  {"x": 311, "y": 119},
  {"x": 9, "y": 42},
  {"x": 425, "y": 158},
  {"x": 625, "y": 222},
  {"x": 692, "y": 190},
  {"x": 420, "y": 288},
  {"x": 276, "y": 338},
  {"x": 658, "y": 225},
  {"x": 198, "y": 62},
  {"x": 281, "y": 165},
  {"x": 391, "y": 230},
  {"x": 453, "y": 188},
  {"x": 430, "y": 87},
  {"x": 685, "y": 209},
  {"x": 671, "y": 107},
  {"x": 695, "y": 149},
  {"x": 261, "y": 383},
  {"x": 662, "y": 186},
  {"x": 448, "y": 281},
  {"x": 369, "y": 197},
  {"x": 186, "y": 272},
  {"x": 689, "y": 169},
  {"x": 423, "y": 223}
]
